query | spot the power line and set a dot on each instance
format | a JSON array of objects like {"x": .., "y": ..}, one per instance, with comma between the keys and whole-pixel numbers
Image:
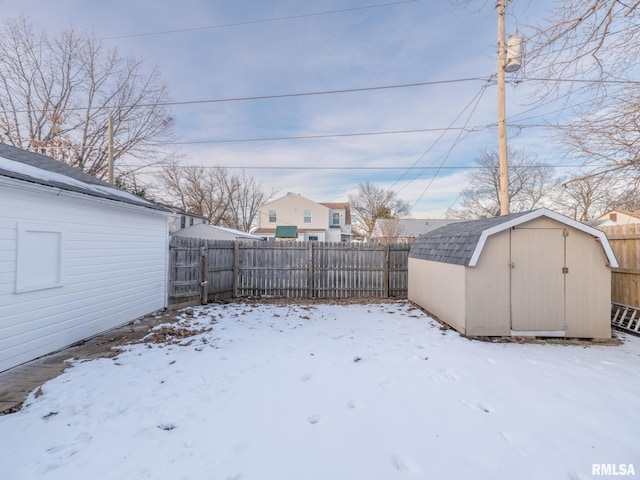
[
  {"x": 455, "y": 144},
  {"x": 478, "y": 94},
  {"x": 321, "y": 136},
  {"x": 312, "y": 93},
  {"x": 265, "y": 97},
  {"x": 581, "y": 80},
  {"x": 468, "y": 129},
  {"x": 253, "y": 22},
  {"x": 298, "y": 167}
]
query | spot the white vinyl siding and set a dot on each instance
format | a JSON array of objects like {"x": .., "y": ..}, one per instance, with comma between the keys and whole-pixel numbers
[{"x": 114, "y": 270}]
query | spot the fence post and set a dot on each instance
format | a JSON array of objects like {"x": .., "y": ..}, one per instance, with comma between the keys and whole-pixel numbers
[
  {"x": 310, "y": 270},
  {"x": 203, "y": 273},
  {"x": 236, "y": 268},
  {"x": 386, "y": 270}
]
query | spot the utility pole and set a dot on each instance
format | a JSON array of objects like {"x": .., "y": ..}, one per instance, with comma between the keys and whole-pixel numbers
[
  {"x": 110, "y": 149},
  {"x": 502, "y": 122}
]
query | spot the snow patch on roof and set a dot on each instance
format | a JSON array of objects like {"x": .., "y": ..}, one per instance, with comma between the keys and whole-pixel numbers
[{"x": 49, "y": 176}]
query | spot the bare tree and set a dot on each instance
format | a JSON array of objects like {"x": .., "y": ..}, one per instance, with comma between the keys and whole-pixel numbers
[
  {"x": 371, "y": 202},
  {"x": 586, "y": 53},
  {"x": 226, "y": 200},
  {"x": 530, "y": 183},
  {"x": 56, "y": 94},
  {"x": 246, "y": 197},
  {"x": 582, "y": 39},
  {"x": 585, "y": 197},
  {"x": 198, "y": 190},
  {"x": 389, "y": 229},
  {"x": 608, "y": 134},
  {"x": 590, "y": 48}
]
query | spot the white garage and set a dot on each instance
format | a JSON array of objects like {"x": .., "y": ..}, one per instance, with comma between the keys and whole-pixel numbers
[{"x": 77, "y": 256}]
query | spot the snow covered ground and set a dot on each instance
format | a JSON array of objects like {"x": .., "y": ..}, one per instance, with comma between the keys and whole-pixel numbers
[{"x": 331, "y": 392}]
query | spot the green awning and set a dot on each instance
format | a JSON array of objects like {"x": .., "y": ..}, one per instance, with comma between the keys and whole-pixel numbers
[{"x": 287, "y": 231}]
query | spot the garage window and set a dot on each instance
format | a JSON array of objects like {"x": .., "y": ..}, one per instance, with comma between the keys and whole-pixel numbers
[{"x": 40, "y": 258}]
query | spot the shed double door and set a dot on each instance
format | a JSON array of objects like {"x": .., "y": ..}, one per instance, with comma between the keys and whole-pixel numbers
[{"x": 538, "y": 267}]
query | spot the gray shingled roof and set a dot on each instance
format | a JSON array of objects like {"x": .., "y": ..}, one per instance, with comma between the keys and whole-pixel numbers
[
  {"x": 410, "y": 227},
  {"x": 78, "y": 182},
  {"x": 456, "y": 242}
]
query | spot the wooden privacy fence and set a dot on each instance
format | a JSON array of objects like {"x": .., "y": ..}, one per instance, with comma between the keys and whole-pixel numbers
[
  {"x": 205, "y": 270},
  {"x": 625, "y": 281}
]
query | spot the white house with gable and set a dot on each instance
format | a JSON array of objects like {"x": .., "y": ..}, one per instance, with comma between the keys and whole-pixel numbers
[
  {"x": 294, "y": 217},
  {"x": 77, "y": 256}
]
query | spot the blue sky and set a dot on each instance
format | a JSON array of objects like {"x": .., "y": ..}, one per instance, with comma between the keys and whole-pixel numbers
[{"x": 410, "y": 42}]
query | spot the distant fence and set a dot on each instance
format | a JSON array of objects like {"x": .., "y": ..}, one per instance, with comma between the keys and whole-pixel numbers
[
  {"x": 625, "y": 281},
  {"x": 202, "y": 270}
]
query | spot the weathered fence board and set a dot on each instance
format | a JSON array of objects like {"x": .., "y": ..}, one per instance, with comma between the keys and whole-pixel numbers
[
  {"x": 279, "y": 269},
  {"x": 625, "y": 242},
  {"x": 625, "y": 286},
  {"x": 184, "y": 271},
  {"x": 625, "y": 281}
]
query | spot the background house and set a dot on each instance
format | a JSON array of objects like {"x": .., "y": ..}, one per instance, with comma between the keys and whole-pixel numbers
[
  {"x": 322, "y": 222},
  {"x": 77, "y": 256},
  {"x": 404, "y": 230},
  {"x": 532, "y": 273},
  {"x": 212, "y": 232},
  {"x": 617, "y": 217}
]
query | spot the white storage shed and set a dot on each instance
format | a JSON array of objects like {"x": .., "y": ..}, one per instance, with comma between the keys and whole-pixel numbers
[
  {"x": 77, "y": 256},
  {"x": 534, "y": 273}
]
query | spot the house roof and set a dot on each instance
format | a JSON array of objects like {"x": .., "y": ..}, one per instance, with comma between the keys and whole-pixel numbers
[
  {"x": 286, "y": 231},
  {"x": 213, "y": 232},
  {"x": 411, "y": 227},
  {"x": 289, "y": 194},
  {"x": 42, "y": 170},
  {"x": 631, "y": 213},
  {"x": 462, "y": 243}
]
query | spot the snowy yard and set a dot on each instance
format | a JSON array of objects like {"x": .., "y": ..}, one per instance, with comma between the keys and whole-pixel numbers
[{"x": 331, "y": 392}]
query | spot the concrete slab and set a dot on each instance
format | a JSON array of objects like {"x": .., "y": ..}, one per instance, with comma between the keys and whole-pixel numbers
[{"x": 16, "y": 383}]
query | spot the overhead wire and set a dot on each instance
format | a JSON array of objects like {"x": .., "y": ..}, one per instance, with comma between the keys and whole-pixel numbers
[
  {"x": 253, "y": 22},
  {"x": 267, "y": 97},
  {"x": 455, "y": 143},
  {"x": 313, "y": 93},
  {"x": 434, "y": 143},
  {"x": 328, "y": 167}
]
